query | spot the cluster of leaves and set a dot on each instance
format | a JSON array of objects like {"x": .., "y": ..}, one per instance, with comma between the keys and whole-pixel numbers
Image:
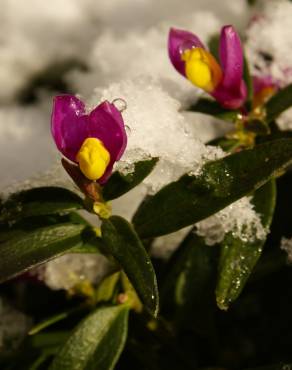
[{"x": 183, "y": 330}]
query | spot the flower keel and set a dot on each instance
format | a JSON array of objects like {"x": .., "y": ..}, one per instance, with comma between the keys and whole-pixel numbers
[{"x": 93, "y": 158}]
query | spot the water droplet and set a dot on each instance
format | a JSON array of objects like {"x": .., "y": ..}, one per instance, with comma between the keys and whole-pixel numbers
[
  {"x": 128, "y": 130},
  {"x": 120, "y": 104}
]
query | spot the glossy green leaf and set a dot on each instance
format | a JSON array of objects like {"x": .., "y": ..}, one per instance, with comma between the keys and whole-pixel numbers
[
  {"x": 27, "y": 249},
  {"x": 38, "y": 202},
  {"x": 97, "y": 341},
  {"x": 213, "y": 108},
  {"x": 238, "y": 258},
  {"x": 122, "y": 242},
  {"x": 191, "y": 199},
  {"x": 188, "y": 286},
  {"x": 119, "y": 184},
  {"x": 279, "y": 103}
]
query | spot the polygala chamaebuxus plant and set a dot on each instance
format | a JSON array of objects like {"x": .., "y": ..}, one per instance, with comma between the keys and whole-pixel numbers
[{"x": 145, "y": 312}]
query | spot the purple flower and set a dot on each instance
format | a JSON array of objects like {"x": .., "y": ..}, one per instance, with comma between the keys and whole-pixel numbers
[
  {"x": 94, "y": 141},
  {"x": 191, "y": 59}
]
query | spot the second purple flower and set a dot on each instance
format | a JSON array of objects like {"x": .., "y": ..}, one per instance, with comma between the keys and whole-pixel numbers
[{"x": 191, "y": 59}]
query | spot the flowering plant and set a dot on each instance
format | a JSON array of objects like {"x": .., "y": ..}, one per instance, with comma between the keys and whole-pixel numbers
[{"x": 217, "y": 208}]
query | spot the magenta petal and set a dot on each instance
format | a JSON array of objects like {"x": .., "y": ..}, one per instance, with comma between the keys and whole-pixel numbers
[
  {"x": 230, "y": 99},
  {"x": 178, "y": 41},
  {"x": 116, "y": 114},
  {"x": 231, "y": 58},
  {"x": 105, "y": 122},
  {"x": 68, "y": 125}
]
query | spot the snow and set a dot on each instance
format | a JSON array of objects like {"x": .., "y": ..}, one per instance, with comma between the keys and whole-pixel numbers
[
  {"x": 157, "y": 129},
  {"x": 269, "y": 44},
  {"x": 269, "y": 41},
  {"x": 239, "y": 218}
]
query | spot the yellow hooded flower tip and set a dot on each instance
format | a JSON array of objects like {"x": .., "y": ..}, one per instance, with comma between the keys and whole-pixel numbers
[
  {"x": 202, "y": 69},
  {"x": 93, "y": 158}
]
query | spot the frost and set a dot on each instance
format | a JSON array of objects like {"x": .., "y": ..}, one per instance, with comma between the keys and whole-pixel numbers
[
  {"x": 14, "y": 326},
  {"x": 69, "y": 270},
  {"x": 286, "y": 245},
  {"x": 239, "y": 218},
  {"x": 157, "y": 129}
]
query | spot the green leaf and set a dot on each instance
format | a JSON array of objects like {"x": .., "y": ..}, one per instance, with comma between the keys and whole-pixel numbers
[
  {"x": 228, "y": 145},
  {"x": 49, "y": 339},
  {"x": 106, "y": 288},
  {"x": 213, "y": 108},
  {"x": 238, "y": 258},
  {"x": 249, "y": 82},
  {"x": 188, "y": 286},
  {"x": 279, "y": 103},
  {"x": 54, "y": 319},
  {"x": 97, "y": 341},
  {"x": 37, "y": 202},
  {"x": 28, "y": 249},
  {"x": 119, "y": 184},
  {"x": 122, "y": 242},
  {"x": 192, "y": 199}
]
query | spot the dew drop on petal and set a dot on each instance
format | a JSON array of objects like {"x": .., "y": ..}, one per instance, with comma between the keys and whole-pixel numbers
[
  {"x": 128, "y": 130},
  {"x": 120, "y": 104}
]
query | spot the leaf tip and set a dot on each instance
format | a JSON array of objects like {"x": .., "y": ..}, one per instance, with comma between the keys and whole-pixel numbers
[{"x": 222, "y": 304}]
